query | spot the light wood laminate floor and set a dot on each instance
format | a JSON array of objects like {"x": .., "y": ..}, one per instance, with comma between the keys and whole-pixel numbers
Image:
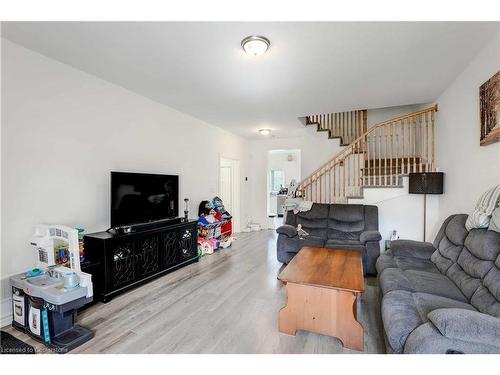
[{"x": 228, "y": 302}]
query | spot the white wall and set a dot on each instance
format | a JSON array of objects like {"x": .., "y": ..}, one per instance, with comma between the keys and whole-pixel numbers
[
  {"x": 469, "y": 169},
  {"x": 278, "y": 160},
  {"x": 374, "y": 116},
  {"x": 403, "y": 212},
  {"x": 63, "y": 131}
]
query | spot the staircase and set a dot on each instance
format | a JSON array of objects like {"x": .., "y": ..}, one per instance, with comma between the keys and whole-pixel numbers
[
  {"x": 346, "y": 126},
  {"x": 378, "y": 157}
]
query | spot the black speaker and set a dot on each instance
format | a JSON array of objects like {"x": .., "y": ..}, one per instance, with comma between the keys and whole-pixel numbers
[{"x": 426, "y": 183}]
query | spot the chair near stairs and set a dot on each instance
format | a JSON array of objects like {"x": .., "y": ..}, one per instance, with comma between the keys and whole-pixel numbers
[{"x": 372, "y": 158}]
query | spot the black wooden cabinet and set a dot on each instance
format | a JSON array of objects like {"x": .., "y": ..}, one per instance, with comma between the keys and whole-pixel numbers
[{"x": 127, "y": 260}]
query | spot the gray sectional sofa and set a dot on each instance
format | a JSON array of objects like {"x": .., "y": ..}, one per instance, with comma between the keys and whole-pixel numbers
[
  {"x": 335, "y": 226},
  {"x": 442, "y": 297}
]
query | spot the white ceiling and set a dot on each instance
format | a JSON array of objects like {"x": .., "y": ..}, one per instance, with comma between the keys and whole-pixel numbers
[{"x": 200, "y": 68}]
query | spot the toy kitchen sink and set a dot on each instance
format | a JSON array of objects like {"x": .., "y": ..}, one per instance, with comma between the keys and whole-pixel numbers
[{"x": 45, "y": 299}]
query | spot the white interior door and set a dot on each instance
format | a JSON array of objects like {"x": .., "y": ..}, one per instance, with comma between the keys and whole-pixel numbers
[
  {"x": 226, "y": 188},
  {"x": 229, "y": 188}
]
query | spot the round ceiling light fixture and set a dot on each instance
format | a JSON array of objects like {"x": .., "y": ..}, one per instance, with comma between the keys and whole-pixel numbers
[
  {"x": 265, "y": 131},
  {"x": 255, "y": 45}
]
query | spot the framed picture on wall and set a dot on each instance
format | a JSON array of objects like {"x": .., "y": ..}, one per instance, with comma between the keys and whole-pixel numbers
[{"x": 489, "y": 107}]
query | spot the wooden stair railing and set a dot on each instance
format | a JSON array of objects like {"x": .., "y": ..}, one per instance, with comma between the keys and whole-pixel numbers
[
  {"x": 347, "y": 126},
  {"x": 380, "y": 157}
]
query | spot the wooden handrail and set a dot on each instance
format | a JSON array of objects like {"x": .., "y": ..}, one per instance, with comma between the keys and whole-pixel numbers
[
  {"x": 434, "y": 108},
  {"x": 371, "y": 130},
  {"x": 387, "y": 150}
]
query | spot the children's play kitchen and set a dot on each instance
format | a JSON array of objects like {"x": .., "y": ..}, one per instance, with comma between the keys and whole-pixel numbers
[{"x": 45, "y": 298}]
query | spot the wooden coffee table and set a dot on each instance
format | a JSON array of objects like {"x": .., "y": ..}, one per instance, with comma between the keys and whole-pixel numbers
[{"x": 323, "y": 288}]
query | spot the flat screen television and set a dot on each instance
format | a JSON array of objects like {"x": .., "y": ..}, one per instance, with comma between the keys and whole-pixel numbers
[{"x": 141, "y": 198}]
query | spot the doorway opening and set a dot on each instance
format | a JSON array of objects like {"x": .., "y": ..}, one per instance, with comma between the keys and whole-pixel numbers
[
  {"x": 283, "y": 166},
  {"x": 229, "y": 188}
]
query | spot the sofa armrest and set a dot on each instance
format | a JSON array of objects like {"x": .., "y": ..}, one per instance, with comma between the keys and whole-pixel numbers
[
  {"x": 370, "y": 235},
  {"x": 287, "y": 230},
  {"x": 412, "y": 249},
  {"x": 467, "y": 325}
]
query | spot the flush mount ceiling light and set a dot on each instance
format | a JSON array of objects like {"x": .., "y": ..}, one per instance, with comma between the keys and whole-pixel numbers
[
  {"x": 255, "y": 45},
  {"x": 265, "y": 131}
]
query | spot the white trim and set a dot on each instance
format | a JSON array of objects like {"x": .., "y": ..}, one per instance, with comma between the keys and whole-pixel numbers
[
  {"x": 5, "y": 302},
  {"x": 6, "y": 312},
  {"x": 236, "y": 184}
]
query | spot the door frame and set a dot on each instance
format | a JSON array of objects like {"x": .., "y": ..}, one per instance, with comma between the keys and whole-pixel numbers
[
  {"x": 298, "y": 153},
  {"x": 236, "y": 191}
]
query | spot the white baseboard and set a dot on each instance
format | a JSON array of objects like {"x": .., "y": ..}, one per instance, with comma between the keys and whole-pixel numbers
[
  {"x": 5, "y": 302},
  {"x": 6, "y": 311}
]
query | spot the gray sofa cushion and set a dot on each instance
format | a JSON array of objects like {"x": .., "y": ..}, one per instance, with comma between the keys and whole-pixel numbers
[
  {"x": 466, "y": 325},
  {"x": 346, "y": 222},
  {"x": 371, "y": 217},
  {"x": 487, "y": 297},
  {"x": 419, "y": 281},
  {"x": 485, "y": 302},
  {"x": 455, "y": 229},
  {"x": 492, "y": 280},
  {"x": 295, "y": 244},
  {"x": 388, "y": 260},
  {"x": 451, "y": 243},
  {"x": 335, "y": 243},
  {"x": 314, "y": 221},
  {"x": 414, "y": 249},
  {"x": 287, "y": 230},
  {"x": 483, "y": 243},
  {"x": 481, "y": 249},
  {"x": 442, "y": 229},
  {"x": 403, "y": 312}
]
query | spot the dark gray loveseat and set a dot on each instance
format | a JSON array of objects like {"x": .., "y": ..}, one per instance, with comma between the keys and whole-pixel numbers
[
  {"x": 336, "y": 226},
  {"x": 443, "y": 297}
]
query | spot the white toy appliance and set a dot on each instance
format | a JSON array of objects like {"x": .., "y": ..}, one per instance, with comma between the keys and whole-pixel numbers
[{"x": 45, "y": 299}]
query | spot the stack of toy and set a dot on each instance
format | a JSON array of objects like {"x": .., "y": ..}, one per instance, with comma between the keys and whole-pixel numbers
[
  {"x": 214, "y": 226},
  {"x": 80, "y": 243}
]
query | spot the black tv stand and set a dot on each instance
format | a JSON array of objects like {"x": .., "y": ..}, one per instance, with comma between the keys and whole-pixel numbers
[
  {"x": 127, "y": 260},
  {"x": 125, "y": 229}
]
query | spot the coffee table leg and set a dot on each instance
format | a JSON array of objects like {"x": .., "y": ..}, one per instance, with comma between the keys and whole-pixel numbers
[
  {"x": 326, "y": 311},
  {"x": 287, "y": 319},
  {"x": 352, "y": 336}
]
